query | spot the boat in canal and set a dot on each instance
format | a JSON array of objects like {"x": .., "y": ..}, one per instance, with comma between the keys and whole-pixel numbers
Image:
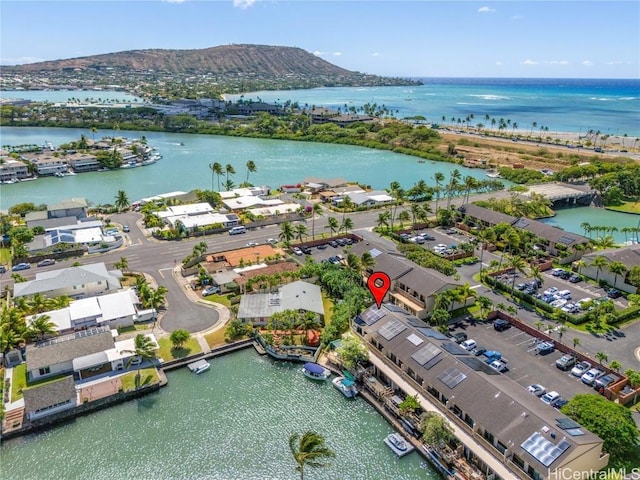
[
  {"x": 199, "y": 366},
  {"x": 345, "y": 386},
  {"x": 398, "y": 444},
  {"x": 315, "y": 372}
]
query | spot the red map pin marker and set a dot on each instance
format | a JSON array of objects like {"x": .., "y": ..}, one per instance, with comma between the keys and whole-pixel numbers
[{"x": 379, "y": 283}]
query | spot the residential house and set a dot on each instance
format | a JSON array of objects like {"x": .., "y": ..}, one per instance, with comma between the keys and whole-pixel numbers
[
  {"x": 257, "y": 308},
  {"x": 50, "y": 398},
  {"x": 76, "y": 282},
  {"x": 11, "y": 170},
  {"x": 629, "y": 256},
  {"x": 290, "y": 209},
  {"x": 82, "y": 162},
  {"x": 197, "y": 215},
  {"x": 46, "y": 163},
  {"x": 413, "y": 288},
  {"x": 74, "y": 207},
  {"x": 114, "y": 310},
  {"x": 504, "y": 425},
  {"x": 237, "y": 204},
  {"x": 484, "y": 217}
]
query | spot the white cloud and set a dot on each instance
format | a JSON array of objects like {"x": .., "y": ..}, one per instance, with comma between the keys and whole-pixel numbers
[
  {"x": 174, "y": 1},
  {"x": 376, "y": 54},
  {"x": 318, "y": 53},
  {"x": 499, "y": 63},
  {"x": 529, "y": 62},
  {"x": 616, "y": 62},
  {"x": 336, "y": 54},
  {"x": 557, "y": 62},
  {"x": 20, "y": 60},
  {"x": 486, "y": 10},
  {"x": 517, "y": 17},
  {"x": 587, "y": 63},
  {"x": 243, "y": 4}
]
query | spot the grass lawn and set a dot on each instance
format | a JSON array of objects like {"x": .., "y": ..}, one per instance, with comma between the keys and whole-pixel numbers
[
  {"x": 221, "y": 299},
  {"x": 18, "y": 381},
  {"x": 626, "y": 207},
  {"x": 147, "y": 375},
  {"x": 327, "y": 304},
  {"x": 168, "y": 352},
  {"x": 216, "y": 338},
  {"x": 5, "y": 255}
]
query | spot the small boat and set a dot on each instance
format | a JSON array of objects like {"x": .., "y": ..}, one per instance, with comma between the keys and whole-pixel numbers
[
  {"x": 421, "y": 161},
  {"x": 199, "y": 366},
  {"x": 345, "y": 386},
  {"x": 131, "y": 164},
  {"x": 493, "y": 174},
  {"x": 315, "y": 371},
  {"x": 398, "y": 444}
]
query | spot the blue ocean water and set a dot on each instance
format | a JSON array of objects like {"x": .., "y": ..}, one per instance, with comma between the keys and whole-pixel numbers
[{"x": 561, "y": 105}]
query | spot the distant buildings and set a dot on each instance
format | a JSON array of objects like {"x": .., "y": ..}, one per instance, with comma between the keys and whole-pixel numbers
[{"x": 197, "y": 215}]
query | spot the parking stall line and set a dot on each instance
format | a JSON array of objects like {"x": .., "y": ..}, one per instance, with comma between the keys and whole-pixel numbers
[{"x": 518, "y": 380}]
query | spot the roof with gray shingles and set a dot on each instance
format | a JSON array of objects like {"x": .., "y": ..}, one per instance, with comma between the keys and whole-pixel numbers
[
  {"x": 67, "y": 277},
  {"x": 486, "y": 215},
  {"x": 629, "y": 256},
  {"x": 49, "y": 394},
  {"x": 67, "y": 347},
  {"x": 495, "y": 401}
]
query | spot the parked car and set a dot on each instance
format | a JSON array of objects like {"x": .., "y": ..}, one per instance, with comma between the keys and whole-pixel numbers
[
  {"x": 427, "y": 237},
  {"x": 614, "y": 293},
  {"x": 556, "y": 272},
  {"x": 478, "y": 351},
  {"x": 521, "y": 286},
  {"x": 591, "y": 376},
  {"x": 21, "y": 266},
  {"x": 297, "y": 251},
  {"x": 272, "y": 241},
  {"x": 566, "y": 294},
  {"x": 492, "y": 355},
  {"x": 550, "y": 397},
  {"x": 560, "y": 402},
  {"x": 306, "y": 250},
  {"x": 499, "y": 365},
  {"x": 210, "y": 290},
  {"x": 545, "y": 348},
  {"x": 580, "y": 369},
  {"x": 3, "y": 269},
  {"x": 46, "y": 262},
  {"x": 603, "y": 382},
  {"x": 565, "y": 275},
  {"x": 252, "y": 244},
  {"x": 550, "y": 291},
  {"x": 501, "y": 325},
  {"x": 126, "y": 229},
  {"x": 322, "y": 246},
  {"x": 459, "y": 337},
  {"x": 537, "y": 389},
  {"x": 575, "y": 278},
  {"x": 469, "y": 345},
  {"x": 333, "y": 243},
  {"x": 558, "y": 303},
  {"x": 566, "y": 362}
]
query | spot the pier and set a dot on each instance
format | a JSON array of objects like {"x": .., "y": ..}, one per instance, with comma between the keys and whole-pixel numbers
[{"x": 563, "y": 193}]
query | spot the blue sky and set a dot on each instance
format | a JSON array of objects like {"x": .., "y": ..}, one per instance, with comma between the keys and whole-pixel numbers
[{"x": 581, "y": 39}]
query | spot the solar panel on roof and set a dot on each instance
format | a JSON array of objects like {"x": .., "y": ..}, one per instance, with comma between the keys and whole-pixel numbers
[
  {"x": 543, "y": 450},
  {"x": 394, "y": 308},
  {"x": 414, "y": 322},
  {"x": 430, "y": 332},
  {"x": 566, "y": 239},
  {"x": 454, "y": 348},
  {"x": 426, "y": 354},
  {"x": 451, "y": 377},
  {"x": 392, "y": 329},
  {"x": 372, "y": 315},
  {"x": 416, "y": 340},
  {"x": 375, "y": 252},
  {"x": 574, "y": 432},
  {"x": 565, "y": 423},
  {"x": 521, "y": 223}
]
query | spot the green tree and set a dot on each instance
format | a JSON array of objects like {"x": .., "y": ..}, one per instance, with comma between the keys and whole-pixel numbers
[
  {"x": 41, "y": 326},
  {"x": 300, "y": 231},
  {"x": 229, "y": 170},
  {"x": 316, "y": 209},
  {"x": 122, "y": 201},
  {"x": 122, "y": 264},
  {"x": 144, "y": 350},
  {"x": 216, "y": 168},
  {"x": 179, "y": 337},
  {"x": 251, "y": 168},
  {"x": 352, "y": 351},
  {"x": 598, "y": 262},
  {"x": 309, "y": 450},
  {"x": 610, "y": 421},
  {"x": 601, "y": 357},
  {"x": 485, "y": 303},
  {"x": 347, "y": 224},
  {"x": 287, "y": 233},
  {"x": 332, "y": 225},
  {"x": 409, "y": 405},
  {"x": 435, "y": 429},
  {"x": 617, "y": 268}
]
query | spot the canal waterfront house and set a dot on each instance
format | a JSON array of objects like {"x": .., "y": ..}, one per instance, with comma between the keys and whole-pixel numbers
[
  {"x": 504, "y": 423},
  {"x": 50, "y": 398}
]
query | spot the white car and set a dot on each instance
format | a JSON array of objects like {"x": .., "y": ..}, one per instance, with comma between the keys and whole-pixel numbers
[
  {"x": 580, "y": 369},
  {"x": 297, "y": 251},
  {"x": 591, "y": 376},
  {"x": 550, "y": 397},
  {"x": 468, "y": 345},
  {"x": 559, "y": 303},
  {"x": 272, "y": 241},
  {"x": 499, "y": 365},
  {"x": 550, "y": 291},
  {"x": 537, "y": 389}
]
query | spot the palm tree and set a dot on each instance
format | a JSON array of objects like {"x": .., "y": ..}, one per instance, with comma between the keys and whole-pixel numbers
[
  {"x": 454, "y": 181},
  {"x": 251, "y": 168},
  {"x": 121, "y": 264},
  {"x": 518, "y": 265},
  {"x": 617, "y": 268},
  {"x": 615, "y": 365},
  {"x": 367, "y": 261},
  {"x": 316, "y": 209},
  {"x": 383, "y": 219},
  {"x": 309, "y": 450},
  {"x": 217, "y": 169},
  {"x": 598, "y": 262},
  {"x": 300, "y": 231},
  {"x": 122, "y": 201},
  {"x": 438, "y": 177},
  {"x": 576, "y": 343},
  {"x": 464, "y": 292},
  {"x": 229, "y": 170},
  {"x": 144, "y": 349},
  {"x": 347, "y": 224},
  {"x": 332, "y": 225},
  {"x": 485, "y": 304},
  {"x": 601, "y": 357},
  {"x": 42, "y": 326},
  {"x": 286, "y": 233}
]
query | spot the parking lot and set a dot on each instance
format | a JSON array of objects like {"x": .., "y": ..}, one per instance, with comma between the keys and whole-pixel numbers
[{"x": 526, "y": 367}]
